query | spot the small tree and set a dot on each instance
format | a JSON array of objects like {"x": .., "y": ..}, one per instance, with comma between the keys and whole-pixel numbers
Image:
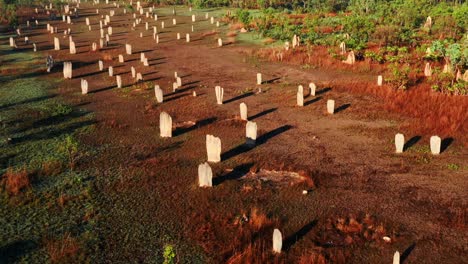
[{"x": 453, "y": 53}]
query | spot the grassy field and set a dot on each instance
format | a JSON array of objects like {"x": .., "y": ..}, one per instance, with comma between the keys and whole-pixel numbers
[
  {"x": 45, "y": 201},
  {"x": 101, "y": 186}
]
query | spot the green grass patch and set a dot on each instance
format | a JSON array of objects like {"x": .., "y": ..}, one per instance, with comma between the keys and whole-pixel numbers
[{"x": 38, "y": 135}]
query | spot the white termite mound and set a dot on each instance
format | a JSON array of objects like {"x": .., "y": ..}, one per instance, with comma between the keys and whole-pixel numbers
[
  {"x": 165, "y": 125},
  {"x": 213, "y": 148},
  {"x": 205, "y": 175}
]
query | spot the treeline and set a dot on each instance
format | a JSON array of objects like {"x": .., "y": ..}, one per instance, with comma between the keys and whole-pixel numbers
[
  {"x": 366, "y": 6},
  {"x": 8, "y": 9}
]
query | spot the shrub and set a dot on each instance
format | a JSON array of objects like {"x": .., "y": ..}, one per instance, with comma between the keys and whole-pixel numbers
[
  {"x": 63, "y": 250},
  {"x": 69, "y": 148},
  {"x": 51, "y": 167},
  {"x": 15, "y": 181},
  {"x": 400, "y": 76},
  {"x": 243, "y": 16},
  {"x": 360, "y": 28}
]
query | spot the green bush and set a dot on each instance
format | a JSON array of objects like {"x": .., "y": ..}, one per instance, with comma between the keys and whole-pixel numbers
[
  {"x": 243, "y": 16},
  {"x": 359, "y": 29}
]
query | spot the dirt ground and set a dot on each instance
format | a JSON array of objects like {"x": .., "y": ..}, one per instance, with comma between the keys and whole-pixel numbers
[{"x": 359, "y": 189}]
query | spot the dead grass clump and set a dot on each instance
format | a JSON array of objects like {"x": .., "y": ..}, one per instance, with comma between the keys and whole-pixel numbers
[
  {"x": 52, "y": 168},
  {"x": 254, "y": 253},
  {"x": 15, "y": 181},
  {"x": 231, "y": 34},
  {"x": 63, "y": 199},
  {"x": 210, "y": 33},
  {"x": 268, "y": 41},
  {"x": 106, "y": 57},
  {"x": 259, "y": 220},
  {"x": 62, "y": 250},
  {"x": 312, "y": 258},
  {"x": 349, "y": 230},
  {"x": 236, "y": 26}
]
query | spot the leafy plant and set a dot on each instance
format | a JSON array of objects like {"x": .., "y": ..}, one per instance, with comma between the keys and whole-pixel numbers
[
  {"x": 400, "y": 76},
  {"x": 70, "y": 149},
  {"x": 169, "y": 254},
  {"x": 243, "y": 16},
  {"x": 453, "y": 166}
]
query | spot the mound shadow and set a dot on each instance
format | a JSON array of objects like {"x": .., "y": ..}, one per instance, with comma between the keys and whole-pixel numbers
[
  {"x": 298, "y": 235},
  {"x": 238, "y": 97},
  {"x": 243, "y": 148},
  {"x": 198, "y": 124},
  {"x": 411, "y": 142},
  {"x": 235, "y": 174}
]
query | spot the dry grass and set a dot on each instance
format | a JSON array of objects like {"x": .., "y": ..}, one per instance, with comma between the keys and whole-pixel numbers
[
  {"x": 268, "y": 41},
  {"x": 63, "y": 250},
  {"x": 236, "y": 26},
  {"x": 312, "y": 258},
  {"x": 437, "y": 114},
  {"x": 259, "y": 220},
  {"x": 15, "y": 181},
  {"x": 52, "y": 168},
  {"x": 254, "y": 253},
  {"x": 256, "y": 234},
  {"x": 107, "y": 57},
  {"x": 231, "y": 34},
  {"x": 210, "y": 33}
]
